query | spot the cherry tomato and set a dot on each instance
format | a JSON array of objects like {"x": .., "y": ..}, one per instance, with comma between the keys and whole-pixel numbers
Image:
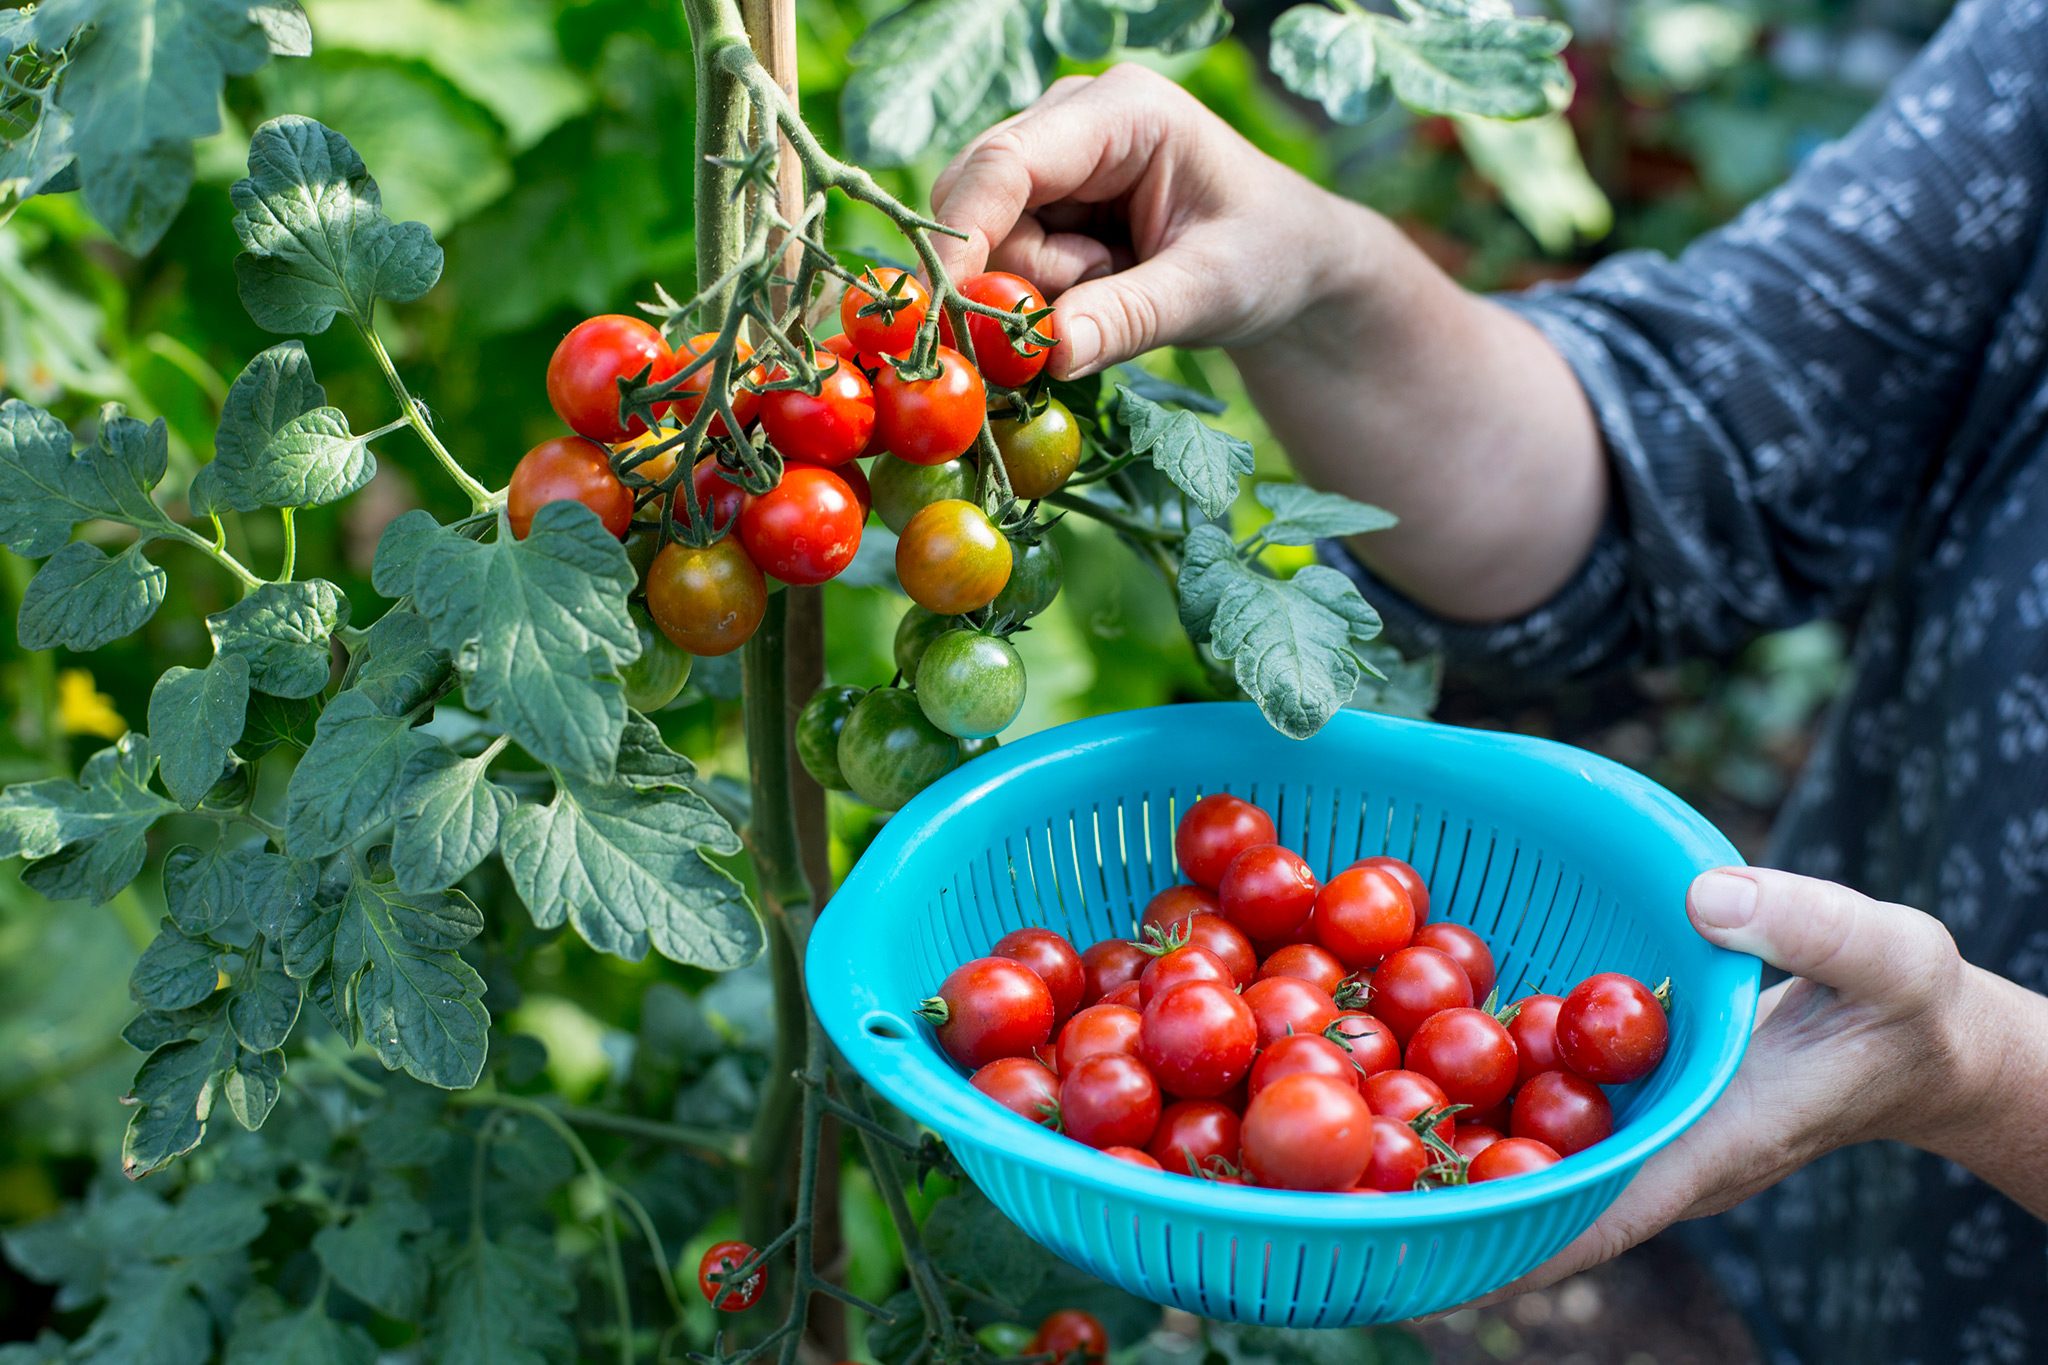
[
  {"x": 729, "y": 1297},
  {"x": 1463, "y": 947},
  {"x": 1039, "y": 455},
  {"x": 1361, "y": 916},
  {"x": 1197, "y": 1039},
  {"x": 1611, "y": 1029},
  {"x": 584, "y": 371},
  {"x": 1194, "y": 1136},
  {"x": 1510, "y": 1156},
  {"x": 1468, "y": 1054},
  {"x": 1407, "y": 1095},
  {"x": 930, "y": 421},
  {"x": 817, "y": 733},
  {"x": 828, "y": 427},
  {"x": 856, "y": 479},
  {"x": 1036, "y": 576},
  {"x": 883, "y": 312},
  {"x": 1371, "y": 1043},
  {"x": 990, "y": 1007},
  {"x": 1215, "y": 830},
  {"x": 1109, "y": 1101},
  {"x": 998, "y": 357},
  {"x": 1415, "y": 983},
  {"x": 1054, "y": 959},
  {"x": 914, "y": 635},
  {"x": 654, "y": 678},
  {"x": 1219, "y": 936},
  {"x": 1301, "y": 1054},
  {"x": 1307, "y": 1133},
  {"x": 1110, "y": 964},
  {"x": 1411, "y": 881},
  {"x": 1565, "y": 1113},
  {"x": 567, "y": 469},
  {"x": 1178, "y": 905},
  {"x": 889, "y": 752},
  {"x": 1097, "y": 1031},
  {"x": 951, "y": 559},
  {"x": 1534, "y": 1029},
  {"x": 1317, "y": 966},
  {"x": 1125, "y": 995},
  {"x": 717, "y": 496},
  {"x": 1178, "y": 967},
  {"x": 1071, "y": 1337},
  {"x": 970, "y": 684},
  {"x": 682, "y": 409},
  {"x": 1267, "y": 891},
  {"x": 903, "y": 489},
  {"x": 655, "y": 467},
  {"x": 1287, "y": 1004},
  {"x": 1399, "y": 1157},
  {"x": 1495, "y": 1118},
  {"x": 804, "y": 530},
  {"x": 1021, "y": 1085},
  {"x": 1132, "y": 1155},
  {"x": 1473, "y": 1138},
  {"x": 708, "y": 600}
]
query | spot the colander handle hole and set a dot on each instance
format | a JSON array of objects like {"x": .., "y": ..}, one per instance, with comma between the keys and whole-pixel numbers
[{"x": 886, "y": 1027}]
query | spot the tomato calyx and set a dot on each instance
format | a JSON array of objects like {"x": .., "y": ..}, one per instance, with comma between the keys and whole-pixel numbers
[
  {"x": 934, "y": 1011},
  {"x": 1158, "y": 941},
  {"x": 1662, "y": 995},
  {"x": 1447, "y": 1166},
  {"x": 1354, "y": 994},
  {"x": 1504, "y": 1014},
  {"x": 1218, "y": 1170}
]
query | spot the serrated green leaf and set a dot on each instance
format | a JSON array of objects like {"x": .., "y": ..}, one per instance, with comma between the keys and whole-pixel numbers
[
  {"x": 646, "y": 761},
  {"x": 253, "y": 1085},
  {"x": 282, "y": 629},
  {"x": 399, "y": 548},
  {"x": 377, "y": 1255},
  {"x": 46, "y": 489},
  {"x": 538, "y": 630},
  {"x": 349, "y": 782},
  {"x": 269, "y": 1331},
  {"x": 1085, "y": 30},
  {"x": 205, "y": 889},
  {"x": 1203, "y": 462},
  {"x": 277, "y": 721},
  {"x": 983, "y": 1249},
  {"x": 1396, "y": 686},
  {"x": 262, "y": 1007},
  {"x": 1304, "y": 515},
  {"x": 1329, "y": 57},
  {"x": 503, "y": 1302},
  {"x": 151, "y": 1029},
  {"x": 174, "y": 972},
  {"x": 1175, "y": 26},
  {"x": 316, "y": 239},
  {"x": 195, "y": 717},
  {"x": 173, "y": 1093},
  {"x": 100, "y": 821},
  {"x": 1492, "y": 68},
  {"x": 211, "y": 1218},
  {"x": 33, "y": 160},
  {"x": 396, "y": 665},
  {"x": 151, "y": 1317},
  {"x": 81, "y": 599},
  {"x": 279, "y": 443},
  {"x": 939, "y": 69},
  {"x": 449, "y": 816},
  {"x": 136, "y": 193},
  {"x": 629, "y": 869}
]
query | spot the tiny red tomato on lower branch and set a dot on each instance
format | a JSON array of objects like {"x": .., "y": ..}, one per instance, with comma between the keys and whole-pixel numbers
[
  {"x": 1071, "y": 1337},
  {"x": 804, "y": 530},
  {"x": 715, "y": 1277}
]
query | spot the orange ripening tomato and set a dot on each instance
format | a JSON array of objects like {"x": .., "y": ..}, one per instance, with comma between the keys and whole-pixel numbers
[
  {"x": 682, "y": 409},
  {"x": 708, "y": 599},
  {"x": 567, "y": 468},
  {"x": 951, "y": 559}
]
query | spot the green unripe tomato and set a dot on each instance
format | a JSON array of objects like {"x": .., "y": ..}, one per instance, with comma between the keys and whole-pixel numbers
[
  {"x": 975, "y": 748},
  {"x": 902, "y": 489},
  {"x": 888, "y": 751},
  {"x": 653, "y": 679},
  {"x": 1036, "y": 576},
  {"x": 817, "y": 732},
  {"x": 641, "y": 547},
  {"x": 1039, "y": 455},
  {"x": 914, "y": 632},
  {"x": 970, "y": 685}
]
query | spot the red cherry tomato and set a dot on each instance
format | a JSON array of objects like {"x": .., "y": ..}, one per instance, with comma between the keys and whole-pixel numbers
[
  {"x": 1410, "y": 879},
  {"x": 1197, "y": 1039},
  {"x": 1399, "y": 1157},
  {"x": 1194, "y": 1136},
  {"x": 1287, "y": 1004},
  {"x": 1098, "y": 1031},
  {"x": 1267, "y": 891},
  {"x": 1415, "y": 983},
  {"x": 1132, "y": 1155},
  {"x": 1215, "y": 830},
  {"x": 689, "y": 398},
  {"x": 1110, "y": 964},
  {"x": 1463, "y": 947},
  {"x": 1181, "y": 965},
  {"x": 1508, "y": 1157},
  {"x": 930, "y": 421},
  {"x": 1495, "y": 1118},
  {"x": 1217, "y": 935},
  {"x": 1125, "y": 995},
  {"x": 719, "y": 496},
  {"x": 1302, "y": 1054},
  {"x": 857, "y": 479},
  {"x": 1361, "y": 916},
  {"x": 891, "y": 328},
  {"x": 707, "y": 600},
  {"x": 1178, "y": 904},
  {"x": 1370, "y": 1042},
  {"x": 1307, "y": 1133},
  {"x": 1565, "y": 1113},
  {"x": 1406, "y": 1095},
  {"x": 1611, "y": 1029},
  {"x": 1534, "y": 1029},
  {"x": 1468, "y": 1054},
  {"x": 1305, "y": 961},
  {"x": 804, "y": 530},
  {"x": 828, "y": 427},
  {"x": 1473, "y": 1138},
  {"x": 1071, "y": 1337},
  {"x": 993, "y": 351},
  {"x": 1054, "y": 959},
  {"x": 1109, "y": 1101},
  {"x": 989, "y": 1008},
  {"x": 584, "y": 371},
  {"x": 729, "y": 1297},
  {"x": 1022, "y": 1086},
  {"x": 567, "y": 469}
]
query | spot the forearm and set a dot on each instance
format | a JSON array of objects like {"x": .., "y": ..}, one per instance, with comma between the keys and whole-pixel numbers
[
  {"x": 1396, "y": 386},
  {"x": 2000, "y": 1135}
]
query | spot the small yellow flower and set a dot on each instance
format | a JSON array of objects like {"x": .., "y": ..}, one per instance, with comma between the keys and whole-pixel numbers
[{"x": 82, "y": 709}]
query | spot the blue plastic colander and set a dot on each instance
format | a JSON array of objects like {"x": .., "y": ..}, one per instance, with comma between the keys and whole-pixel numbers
[{"x": 1565, "y": 863}]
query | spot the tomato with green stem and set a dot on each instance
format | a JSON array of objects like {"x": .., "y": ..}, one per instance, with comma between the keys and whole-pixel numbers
[
  {"x": 1612, "y": 1029},
  {"x": 1197, "y": 1039},
  {"x": 915, "y": 632},
  {"x": 1399, "y": 1157},
  {"x": 883, "y": 311},
  {"x": 889, "y": 752},
  {"x": 1193, "y": 1135},
  {"x": 708, "y": 599},
  {"x": 1041, "y": 453},
  {"x": 1307, "y": 1133},
  {"x": 1407, "y": 1096},
  {"x": 1021, "y": 1085},
  {"x": 1468, "y": 1054},
  {"x": 1178, "y": 967},
  {"x": 1001, "y": 361},
  {"x": 806, "y": 529},
  {"x": 722, "y": 1259},
  {"x": 987, "y": 1008},
  {"x": 567, "y": 469},
  {"x": 584, "y": 373},
  {"x": 1370, "y": 1042},
  {"x": 903, "y": 489},
  {"x": 971, "y": 685},
  {"x": 1301, "y": 1054},
  {"x": 930, "y": 421},
  {"x": 817, "y": 732},
  {"x": 828, "y": 427},
  {"x": 1215, "y": 830},
  {"x": 682, "y": 409},
  {"x": 951, "y": 559},
  {"x": 654, "y": 678},
  {"x": 1036, "y": 576},
  {"x": 1071, "y": 1337}
]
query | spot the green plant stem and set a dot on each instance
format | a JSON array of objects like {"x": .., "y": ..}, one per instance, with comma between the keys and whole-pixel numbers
[
  {"x": 1110, "y": 517},
  {"x": 291, "y": 545},
  {"x": 480, "y": 498},
  {"x": 706, "y": 1141},
  {"x": 249, "y": 581}
]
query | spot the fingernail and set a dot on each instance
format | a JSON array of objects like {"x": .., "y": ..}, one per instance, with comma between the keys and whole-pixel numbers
[
  {"x": 1083, "y": 341},
  {"x": 1723, "y": 900}
]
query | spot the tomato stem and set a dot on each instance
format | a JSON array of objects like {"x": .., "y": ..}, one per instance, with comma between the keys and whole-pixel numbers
[{"x": 480, "y": 498}]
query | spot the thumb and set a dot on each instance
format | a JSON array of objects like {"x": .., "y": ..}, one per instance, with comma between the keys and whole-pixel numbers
[
  {"x": 1819, "y": 930},
  {"x": 1110, "y": 319}
]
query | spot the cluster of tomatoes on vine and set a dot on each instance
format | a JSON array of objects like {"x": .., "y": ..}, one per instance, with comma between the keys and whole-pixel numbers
[
  {"x": 1276, "y": 1030},
  {"x": 706, "y": 577}
]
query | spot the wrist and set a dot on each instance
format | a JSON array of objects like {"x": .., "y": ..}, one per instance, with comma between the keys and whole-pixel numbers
[{"x": 1985, "y": 1036}]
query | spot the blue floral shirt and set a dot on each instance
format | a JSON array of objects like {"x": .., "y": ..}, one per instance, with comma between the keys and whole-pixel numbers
[{"x": 1838, "y": 406}]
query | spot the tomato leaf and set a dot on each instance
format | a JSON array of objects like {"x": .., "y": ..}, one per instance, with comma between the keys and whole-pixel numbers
[
  {"x": 502, "y": 1302},
  {"x": 1085, "y": 30},
  {"x": 31, "y": 163},
  {"x": 269, "y": 1331},
  {"x": 97, "y": 824},
  {"x": 395, "y": 666},
  {"x": 378, "y": 1254},
  {"x": 263, "y": 1007},
  {"x": 1304, "y": 515},
  {"x": 1330, "y": 58},
  {"x": 81, "y": 599},
  {"x": 1396, "y": 686},
  {"x": 195, "y": 717},
  {"x": 274, "y": 721},
  {"x": 174, "y": 972},
  {"x": 449, "y": 817},
  {"x": 982, "y": 1249},
  {"x": 1438, "y": 57},
  {"x": 45, "y": 489},
  {"x": 316, "y": 241},
  {"x": 279, "y": 444},
  {"x": 173, "y": 1094},
  {"x": 350, "y": 781},
  {"x": 282, "y": 629},
  {"x": 207, "y": 889},
  {"x": 1173, "y": 26},
  {"x": 1203, "y": 462},
  {"x": 940, "y": 68}
]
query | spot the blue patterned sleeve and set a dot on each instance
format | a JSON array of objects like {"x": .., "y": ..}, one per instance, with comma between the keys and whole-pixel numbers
[{"x": 1776, "y": 401}]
